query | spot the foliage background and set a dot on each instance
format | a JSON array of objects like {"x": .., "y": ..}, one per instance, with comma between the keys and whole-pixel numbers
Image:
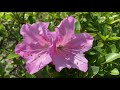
[{"x": 104, "y": 57}]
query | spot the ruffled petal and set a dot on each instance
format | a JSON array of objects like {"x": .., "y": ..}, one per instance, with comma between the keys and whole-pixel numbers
[
  {"x": 37, "y": 62},
  {"x": 25, "y": 50},
  {"x": 80, "y": 62},
  {"x": 32, "y": 33},
  {"x": 81, "y": 42},
  {"x": 65, "y": 30},
  {"x": 60, "y": 62},
  {"x": 69, "y": 60}
]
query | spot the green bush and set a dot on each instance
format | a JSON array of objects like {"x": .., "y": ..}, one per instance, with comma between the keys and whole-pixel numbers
[{"x": 104, "y": 57}]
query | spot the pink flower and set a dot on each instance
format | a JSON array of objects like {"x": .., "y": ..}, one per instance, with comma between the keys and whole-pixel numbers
[
  {"x": 36, "y": 46},
  {"x": 63, "y": 47},
  {"x": 70, "y": 46}
]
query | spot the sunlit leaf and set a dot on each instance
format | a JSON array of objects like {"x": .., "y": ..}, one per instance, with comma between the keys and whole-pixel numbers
[
  {"x": 113, "y": 48},
  {"x": 112, "y": 56},
  {"x": 95, "y": 70},
  {"x": 78, "y": 27},
  {"x": 115, "y": 71},
  {"x": 113, "y": 38},
  {"x": 12, "y": 55}
]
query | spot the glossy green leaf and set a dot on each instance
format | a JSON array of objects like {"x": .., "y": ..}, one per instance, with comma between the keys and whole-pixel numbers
[
  {"x": 113, "y": 48},
  {"x": 95, "y": 70},
  {"x": 118, "y": 20},
  {"x": 115, "y": 71},
  {"x": 12, "y": 55},
  {"x": 78, "y": 27},
  {"x": 113, "y": 38},
  {"x": 100, "y": 44},
  {"x": 102, "y": 36},
  {"x": 112, "y": 56}
]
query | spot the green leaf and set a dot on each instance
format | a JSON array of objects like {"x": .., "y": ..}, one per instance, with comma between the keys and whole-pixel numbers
[
  {"x": 78, "y": 27},
  {"x": 1, "y": 26},
  {"x": 52, "y": 26},
  {"x": 95, "y": 70},
  {"x": 100, "y": 44},
  {"x": 63, "y": 14},
  {"x": 112, "y": 56},
  {"x": 92, "y": 53},
  {"x": 114, "y": 72},
  {"x": 113, "y": 38},
  {"x": 118, "y": 20},
  {"x": 30, "y": 76},
  {"x": 1, "y": 38},
  {"x": 113, "y": 48},
  {"x": 101, "y": 59},
  {"x": 102, "y": 19},
  {"x": 99, "y": 49},
  {"x": 92, "y": 71},
  {"x": 84, "y": 19},
  {"x": 1, "y": 14},
  {"x": 30, "y": 18},
  {"x": 8, "y": 16},
  {"x": 12, "y": 55},
  {"x": 93, "y": 34},
  {"x": 103, "y": 37}
]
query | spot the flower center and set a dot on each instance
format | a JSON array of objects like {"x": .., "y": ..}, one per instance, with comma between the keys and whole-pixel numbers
[{"x": 60, "y": 47}]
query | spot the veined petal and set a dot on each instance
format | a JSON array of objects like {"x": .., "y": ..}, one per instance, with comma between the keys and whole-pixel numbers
[
  {"x": 67, "y": 25},
  {"x": 65, "y": 30},
  {"x": 33, "y": 32},
  {"x": 81, "y": 42},
  {"x": 34, "y": 40},
  {"x": 25, "y": 50},
  {"x": 37, "y": 62},
  {"x": 69, "y": 60},
  {"x": 60, "y": 62},
  {"x": 80, "y": 62},
  {"x": 19, "y": 49},
  {"x": 35, "y": 28}
]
